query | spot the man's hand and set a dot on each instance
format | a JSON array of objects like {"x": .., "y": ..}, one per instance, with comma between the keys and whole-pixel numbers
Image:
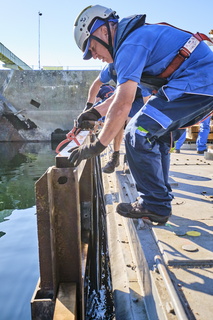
[
  {"x": 85, "y": 117},
  {"x": 88, "y": 106},
  {"x": 85, "y": 152}
]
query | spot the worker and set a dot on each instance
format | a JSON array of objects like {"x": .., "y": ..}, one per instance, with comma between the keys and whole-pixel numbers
[
  {"x": 136, "y": 106},
  {"x": 101, "y": 92},
  {"x": 177, "y": 65},
  {"x": 105, "y": 91},
  {"x": 202, "y": 137},
  {"x": 107, "y": 74}
]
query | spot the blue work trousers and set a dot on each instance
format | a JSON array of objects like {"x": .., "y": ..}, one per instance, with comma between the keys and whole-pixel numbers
[
  {"x": 202, "y": 137},
  {"x": 149, "y": 165},
  {"x": 180, "y": 141},
  {"x": 149, "y": 136}
]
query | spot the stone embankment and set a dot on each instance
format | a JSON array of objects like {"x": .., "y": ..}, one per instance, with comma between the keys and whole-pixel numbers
[{"x": 33, "y": 104}]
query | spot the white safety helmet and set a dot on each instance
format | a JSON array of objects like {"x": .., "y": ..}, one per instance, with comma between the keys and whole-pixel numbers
[{"x": 84, "y": 22}]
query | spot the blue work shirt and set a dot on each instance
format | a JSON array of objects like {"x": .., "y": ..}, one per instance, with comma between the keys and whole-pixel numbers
[
  {"x": 108, "y": 73},
  {"x": 150, "y": 48}
]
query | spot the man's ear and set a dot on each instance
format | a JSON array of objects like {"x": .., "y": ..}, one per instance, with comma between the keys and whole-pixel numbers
[{"x": 104, "y": 30}]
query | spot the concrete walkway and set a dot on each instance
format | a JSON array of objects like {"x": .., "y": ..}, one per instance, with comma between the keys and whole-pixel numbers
[
  {"x": 173, "y": 264},
  {"x": 186, "y": 241}
]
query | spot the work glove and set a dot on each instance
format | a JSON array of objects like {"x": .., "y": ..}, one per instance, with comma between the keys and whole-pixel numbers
[
  {"x": 88, "y": 106},
  {"x": 83, "y": 120},
  {"x": 85, "y": 152}
]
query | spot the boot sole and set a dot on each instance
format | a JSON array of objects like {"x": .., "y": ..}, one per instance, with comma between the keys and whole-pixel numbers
[
  {"x": 108, "y": 171},
  {"x": 105, "y": 170},
  {"x": 151, "y": 216}
]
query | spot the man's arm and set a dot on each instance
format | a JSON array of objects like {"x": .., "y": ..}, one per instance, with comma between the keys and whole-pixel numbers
[
  {"x": 116, "y": 116},
  {"x": 93, "y": 90},
  {"x": 118, "y": 111}
]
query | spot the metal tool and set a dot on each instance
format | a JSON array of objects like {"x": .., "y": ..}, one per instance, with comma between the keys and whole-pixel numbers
[{"x": 70, "y": 136}]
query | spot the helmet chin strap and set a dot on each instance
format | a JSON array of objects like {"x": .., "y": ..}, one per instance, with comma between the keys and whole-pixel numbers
[{"x": 109, "y": 46}]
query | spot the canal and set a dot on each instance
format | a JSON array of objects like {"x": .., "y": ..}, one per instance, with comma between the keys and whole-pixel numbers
[{"x": 21, "y": 164}]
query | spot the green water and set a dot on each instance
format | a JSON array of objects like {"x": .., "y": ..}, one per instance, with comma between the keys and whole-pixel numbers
[{"x": 21, "y": 164}]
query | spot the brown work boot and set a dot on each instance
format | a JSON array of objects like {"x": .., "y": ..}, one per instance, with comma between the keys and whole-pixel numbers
[
  {"x": 113, "y": 163},
  {"x": 135, "y": 210}
]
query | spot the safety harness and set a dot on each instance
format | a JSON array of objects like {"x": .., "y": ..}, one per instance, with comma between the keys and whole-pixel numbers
[
  {"x": 184, "y": 53},
  {"x": 157, "y": 81}
]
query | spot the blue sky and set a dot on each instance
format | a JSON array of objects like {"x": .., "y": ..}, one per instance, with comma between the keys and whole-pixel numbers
[{"x": 19, "y": 25}]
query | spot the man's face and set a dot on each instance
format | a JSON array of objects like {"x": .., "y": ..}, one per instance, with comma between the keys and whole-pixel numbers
[{"x": 97, "y": 49}]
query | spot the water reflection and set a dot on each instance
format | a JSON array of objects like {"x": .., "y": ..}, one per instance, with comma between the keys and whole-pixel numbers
[{"x": 21, "y": 164}]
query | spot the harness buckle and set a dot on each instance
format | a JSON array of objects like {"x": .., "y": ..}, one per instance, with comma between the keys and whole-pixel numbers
[{"x": 185, "y": 53}]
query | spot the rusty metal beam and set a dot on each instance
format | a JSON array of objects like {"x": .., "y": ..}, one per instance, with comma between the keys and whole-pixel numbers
[
  {"x": 59, "y": 232},
  {"x": 42, "y": 304},
  {"x": 44, "y": 240},
  {"x": 64, "y": 208},
  {"x": 64, "y": 201}
]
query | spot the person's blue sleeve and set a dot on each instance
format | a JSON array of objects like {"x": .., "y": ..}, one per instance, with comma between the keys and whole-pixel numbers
[
  {"x": 105, "y": 75},
  {"x": 130, "y": 63},
  {"x": 145, "y": 91}
]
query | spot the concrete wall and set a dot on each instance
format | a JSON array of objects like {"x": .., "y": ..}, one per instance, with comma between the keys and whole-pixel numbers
[{"x": 61, "y": 94}]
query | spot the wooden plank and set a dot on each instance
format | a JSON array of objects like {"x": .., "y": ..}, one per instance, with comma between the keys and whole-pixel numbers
[
  {"x": 210, "y": 136},
  {"x": 195, "y": 128},
  {"x": 65, "y": 306}
]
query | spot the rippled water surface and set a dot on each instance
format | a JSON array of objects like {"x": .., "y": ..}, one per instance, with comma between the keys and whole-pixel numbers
[{"x": 21, "y": 164}]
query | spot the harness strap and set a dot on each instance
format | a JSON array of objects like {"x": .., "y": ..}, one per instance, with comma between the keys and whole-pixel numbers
[
  {"x": 185, "y": 52},
  {"x": 100, "y": 41},
  {"x": 109, "y": 46}
]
